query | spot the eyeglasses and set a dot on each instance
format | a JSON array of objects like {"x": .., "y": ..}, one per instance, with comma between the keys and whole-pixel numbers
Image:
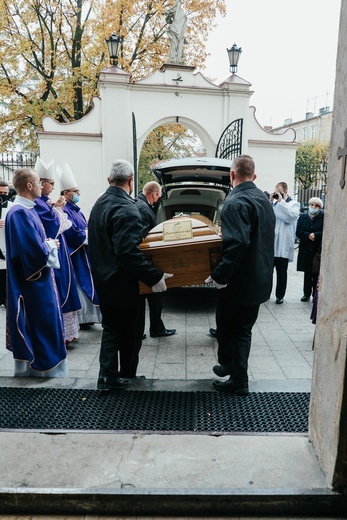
[{"x": 49, "y": 182}]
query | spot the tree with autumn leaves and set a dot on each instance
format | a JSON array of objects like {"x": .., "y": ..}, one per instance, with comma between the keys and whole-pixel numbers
[
  {"x": 311, "y": 164},
  {"x": 166, "y": 142},
  {"x": 53, "y": 50}
]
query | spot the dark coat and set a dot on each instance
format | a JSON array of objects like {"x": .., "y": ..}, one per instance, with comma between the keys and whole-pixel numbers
[
  {"x": 147, "y": 214},
  {"x": 114, "y": 234},
  {"x": 248, "y": 230},
  {"x": 307, "y": 249}
]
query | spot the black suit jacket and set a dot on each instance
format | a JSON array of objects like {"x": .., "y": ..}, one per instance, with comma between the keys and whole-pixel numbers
[
  {"x": 147, "y": 214},
  {"x": 248, "y": 230},
  {"x": 114, "y": 234}
]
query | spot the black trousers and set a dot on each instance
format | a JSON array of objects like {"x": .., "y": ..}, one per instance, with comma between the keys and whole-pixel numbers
[
  {"x": 310, "y": 283},
  {"x": 281, "y": 267},
  {"x": 156, "y": 305},
  {"x": 121, "y": 338},
  {"x": 234, "y": 334}
]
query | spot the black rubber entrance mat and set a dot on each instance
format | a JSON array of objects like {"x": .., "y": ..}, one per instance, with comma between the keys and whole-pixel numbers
[{"x": 163, "y": 411}]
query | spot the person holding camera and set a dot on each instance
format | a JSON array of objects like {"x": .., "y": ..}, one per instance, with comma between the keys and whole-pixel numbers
[
  {"x": 287, "y": 212},
  {"x": 5, "y": 205}
]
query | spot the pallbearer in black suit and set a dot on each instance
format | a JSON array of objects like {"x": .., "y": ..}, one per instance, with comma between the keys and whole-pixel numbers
[
  {"x": 244, "y": 274},
  {"x": 147, "y": 203},
  {"x": 115, "y": 232}
]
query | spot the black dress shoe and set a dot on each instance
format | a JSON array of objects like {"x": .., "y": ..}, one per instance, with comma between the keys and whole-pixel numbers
[
  {"x": 213, "y": 332},
  {"x": 279, "y": 300},
  {"x": 305, "y": 299},
  {"x": 221, "y": 371},
  {"x": 231, "y": 386},
  {"x": 112, "y": 383},
  {"x": 84, "y": 326},
  {"x": 163, "y": 333}
]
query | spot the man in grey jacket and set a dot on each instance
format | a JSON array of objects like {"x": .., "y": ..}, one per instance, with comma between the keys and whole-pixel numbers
[{"x": 244, "y": 274}]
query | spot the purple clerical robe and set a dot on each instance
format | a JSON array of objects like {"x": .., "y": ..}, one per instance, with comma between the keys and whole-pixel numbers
[
  {"x": 34, "y": 319},
  {"x": 65, "y": 276},
  {"x": 75, "y": 238}
]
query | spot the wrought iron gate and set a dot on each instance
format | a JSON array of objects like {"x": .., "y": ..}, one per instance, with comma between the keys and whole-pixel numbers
[
  {"x": 9, "y": 163},
  {"x": 136, "y": 177},
  {"x": 230, "y": 142}
]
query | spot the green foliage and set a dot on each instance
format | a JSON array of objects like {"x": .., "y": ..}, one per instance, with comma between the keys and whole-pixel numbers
[
  {"x": 311, "y": 164},
  {"x": 165, "y": 142}
]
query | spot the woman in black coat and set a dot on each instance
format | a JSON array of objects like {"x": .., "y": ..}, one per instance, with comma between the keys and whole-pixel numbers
[{"x": 309, "y": 231}]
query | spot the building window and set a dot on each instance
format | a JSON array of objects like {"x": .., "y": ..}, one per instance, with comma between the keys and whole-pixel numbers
[
  {"x": 313, "y": 132},
  {"x": 304, "y": 134}
]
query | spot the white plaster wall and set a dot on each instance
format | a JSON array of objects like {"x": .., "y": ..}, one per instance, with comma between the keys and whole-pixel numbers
[
  {"x": 80, "y": 145},
  {"x": 105, "y": 134},
  {"x": 85, "y": 158},
  {"x": 273, "y": 164},
  {"x": 274, "y": 155},
  {"x": 91, "y": 123}
]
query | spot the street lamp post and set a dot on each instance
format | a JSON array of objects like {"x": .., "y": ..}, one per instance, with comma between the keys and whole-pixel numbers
[
  {"x": 234, "y": 55},
  {"x": 114, "y": 44}
]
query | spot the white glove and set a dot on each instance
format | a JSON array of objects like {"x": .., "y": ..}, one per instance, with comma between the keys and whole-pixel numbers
[
  {"x": 161, "y": 285},
  {"x": 215, "y": 284}
]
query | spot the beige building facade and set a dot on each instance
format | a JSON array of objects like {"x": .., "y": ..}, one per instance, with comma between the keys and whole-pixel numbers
[{"x": 312, "y": 128}]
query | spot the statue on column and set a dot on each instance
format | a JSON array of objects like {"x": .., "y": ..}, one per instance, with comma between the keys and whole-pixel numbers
[{"x": 177, "y": 20}]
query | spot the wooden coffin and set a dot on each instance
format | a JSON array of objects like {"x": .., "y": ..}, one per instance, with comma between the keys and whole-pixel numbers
[{"x": 191, "y": 259}]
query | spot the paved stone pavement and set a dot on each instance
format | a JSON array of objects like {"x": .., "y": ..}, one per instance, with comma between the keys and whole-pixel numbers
[
  {"x": 108, "y": 468},
  {"x": 280, "y": 360}
]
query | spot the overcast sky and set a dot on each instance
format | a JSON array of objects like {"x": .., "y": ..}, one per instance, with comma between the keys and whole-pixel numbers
[{"x": 288, "y": 54}]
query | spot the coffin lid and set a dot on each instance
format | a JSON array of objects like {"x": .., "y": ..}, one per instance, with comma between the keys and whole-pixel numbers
[{"x": 205, "y": 170}]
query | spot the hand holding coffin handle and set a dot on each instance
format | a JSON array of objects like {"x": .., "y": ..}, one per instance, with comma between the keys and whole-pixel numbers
[
  {"x": 161, "y": 285},
  {"x": 215, "y": 284}
]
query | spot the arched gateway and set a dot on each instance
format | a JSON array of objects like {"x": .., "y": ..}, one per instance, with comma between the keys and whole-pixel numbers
[{"x": 125, "y": 113}]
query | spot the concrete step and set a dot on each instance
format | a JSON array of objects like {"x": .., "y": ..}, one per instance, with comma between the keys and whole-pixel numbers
[{"x": 163, "y": 474}]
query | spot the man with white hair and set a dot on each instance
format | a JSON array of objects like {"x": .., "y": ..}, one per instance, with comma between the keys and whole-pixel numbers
[
  {"x": 115, "y": 231},
  {"x": 147, "y": 203}
]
